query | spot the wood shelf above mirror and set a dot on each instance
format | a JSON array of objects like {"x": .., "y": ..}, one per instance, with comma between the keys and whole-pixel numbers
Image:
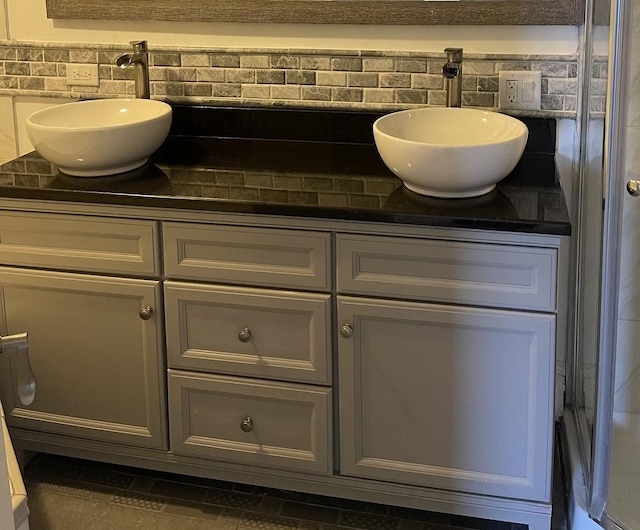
[{"x": 402, "y": 12}]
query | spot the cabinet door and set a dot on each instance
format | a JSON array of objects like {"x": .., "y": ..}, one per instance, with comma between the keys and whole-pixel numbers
[
  {"x": 99, "y": 371},
  {"x": 448, "y": 397}
]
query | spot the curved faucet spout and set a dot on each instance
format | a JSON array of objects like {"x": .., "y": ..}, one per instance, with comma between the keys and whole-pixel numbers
[
  {"x": 452, "y": 73},
  {"x": 139, "y": 59},
  {"x": 124, "y": 61}
]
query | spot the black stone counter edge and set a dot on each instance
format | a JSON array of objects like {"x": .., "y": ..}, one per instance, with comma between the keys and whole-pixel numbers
[{"x": 546, "y": 227}]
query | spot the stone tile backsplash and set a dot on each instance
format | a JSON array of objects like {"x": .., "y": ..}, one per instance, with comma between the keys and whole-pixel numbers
[{"x": 329, "y": 78}]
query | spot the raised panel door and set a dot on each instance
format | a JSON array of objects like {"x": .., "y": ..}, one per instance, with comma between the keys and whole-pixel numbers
[
  {"x": 98, "y": 365},
  {"x": 449, "y": 397}
]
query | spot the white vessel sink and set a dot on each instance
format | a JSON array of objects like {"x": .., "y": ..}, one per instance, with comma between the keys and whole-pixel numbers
[
  {"x": 450, "y": 152},
  {"x": 99, "y": 137}
]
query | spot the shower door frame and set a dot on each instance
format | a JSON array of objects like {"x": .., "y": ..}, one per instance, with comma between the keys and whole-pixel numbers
[{"x": 614, "y": 188}]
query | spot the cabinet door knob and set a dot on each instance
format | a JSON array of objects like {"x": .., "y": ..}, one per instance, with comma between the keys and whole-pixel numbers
[
  {"x": 244, "y": 335},
  {"x": 346, "y": 331},
  {"x": 146, "y": 312},
  {"x": 633, "y": 187},
  {"x": 247, "y": 425}
]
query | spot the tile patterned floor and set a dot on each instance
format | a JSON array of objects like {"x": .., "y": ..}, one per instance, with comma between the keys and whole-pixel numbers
[{"x": 70, "y": 494}]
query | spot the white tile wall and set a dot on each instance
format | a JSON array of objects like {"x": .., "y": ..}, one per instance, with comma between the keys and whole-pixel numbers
[{"x": 7, "y": 130}]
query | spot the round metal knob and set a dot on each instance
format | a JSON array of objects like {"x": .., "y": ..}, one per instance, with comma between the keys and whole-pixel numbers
[
  {"x": 146, "y": 312},
  {"x": 247, "y": 425},
  {"x": 346, "y": 331},
  {"x": 244, "y": 335},
  {"x": 633, "y": 187}
]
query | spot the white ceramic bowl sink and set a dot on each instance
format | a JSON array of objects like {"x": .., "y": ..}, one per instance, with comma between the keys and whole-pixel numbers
[
  {"x": 99, "y": 137},
  {"x": 450, "y": 152}
]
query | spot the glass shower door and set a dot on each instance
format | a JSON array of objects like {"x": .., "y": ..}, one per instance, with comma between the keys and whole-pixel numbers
[
  {"x": 622, "y": 505},
  {"x": 615, "y": 453}
]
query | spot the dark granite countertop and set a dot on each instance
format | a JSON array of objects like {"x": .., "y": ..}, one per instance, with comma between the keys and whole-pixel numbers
[{"x": 302, "y": 163}]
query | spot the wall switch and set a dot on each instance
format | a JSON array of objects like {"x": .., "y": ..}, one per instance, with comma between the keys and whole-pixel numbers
[
  {"x": 82, "y": 74},
  {"x": 520, "y": 90}
]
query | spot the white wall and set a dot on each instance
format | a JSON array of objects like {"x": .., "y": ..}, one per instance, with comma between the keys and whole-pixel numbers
[
  {"x": 8, "y": 149},
  {"x": 27, "y": 22}
]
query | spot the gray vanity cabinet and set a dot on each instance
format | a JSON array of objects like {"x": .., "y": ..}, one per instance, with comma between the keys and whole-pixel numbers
[
  {"x": 249, "y": 357},
  {"x": 385, "y": 363},
  {"x": 95, "y": 341},
  {"x": 456, "y": 397}
]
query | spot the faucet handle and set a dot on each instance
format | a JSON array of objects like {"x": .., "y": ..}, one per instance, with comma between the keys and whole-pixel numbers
[
  {"x": 139, "y": 46},
  {"x": 454, "y": 54}
]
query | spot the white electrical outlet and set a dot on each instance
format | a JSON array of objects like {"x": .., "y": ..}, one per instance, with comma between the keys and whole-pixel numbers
[
  {"x": 520, "y": 90},
  {"x": 82, "y": 74}
]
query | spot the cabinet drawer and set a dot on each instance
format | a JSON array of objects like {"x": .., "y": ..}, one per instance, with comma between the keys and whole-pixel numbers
[
  {"x": 247, "y": 255},
  {"x": 442, "y": 271},
  {"x": 257, "y": 332},
  {"x": 250, "y": 421},
  {"x": 92, "y": 244}
]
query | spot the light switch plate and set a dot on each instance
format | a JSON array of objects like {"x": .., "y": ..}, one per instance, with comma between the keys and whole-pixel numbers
[{"x": 520, "y": 90}]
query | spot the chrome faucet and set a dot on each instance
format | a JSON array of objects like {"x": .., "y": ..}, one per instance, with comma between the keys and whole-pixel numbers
[
  {"x": 452, "y": 73},
  {"x": 139, "y": 59}
]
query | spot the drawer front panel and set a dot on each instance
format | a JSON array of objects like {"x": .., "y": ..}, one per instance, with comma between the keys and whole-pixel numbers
[
  {"x": 242, "y": 331},
  {"x": 249, "y": 421},
  {"x": 92, "y": 244},
  {"x": 452, "y": 272},
  {"x": 247, "y": 255}
]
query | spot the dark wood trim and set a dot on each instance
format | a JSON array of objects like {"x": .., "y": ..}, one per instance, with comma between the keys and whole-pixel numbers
[{"x": 414, "y": 12}]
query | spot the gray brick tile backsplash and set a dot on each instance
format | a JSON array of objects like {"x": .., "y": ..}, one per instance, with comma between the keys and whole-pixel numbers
[
  {"x": 44, "y": 69},
  {"x": 416, "y": 97},
  {"x": 211, "y": 75},
  {"x": 347, "y": 94},
  {"x": 411, "y": 65},
  {"x": 395, "y": 80},
  {"x": 360, "y": 79},
  {"x": 194, "y": 59},
  {"x": 29, "y": 54},
  {"x": 227, "y": 91},
  {"x": 378, "y": 65},
  {"x": 8, "y": 81},
  {"x": 83, "y": 56},
  {"x": 285, "y": 92},
  {"x": 240, "y": 76},
  {"x": 165, "y": 59},
  {"x": 254, "y": 61},
  {"x": 315, "y": 93},
  {"x": 428, "y": 81},
  {"x": 315, "y": 63},
  {"x": 346, "y": 64},
  {"x": 284, "y": 61},
  {"x": 31, "y": 83},
  {"x": 331, "y": 78},
  {"x": 378, "y": 96},
  {"x": 15, "y": 68},
  {"x": 8, "y": 54},
  {"x": 227, "y": 61},
  {"x": 270, "y": 77},
  {"x": 341, "y": 78},
  {"x": 262, "y": 92},
  {"x": 300, "y": 77}
]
